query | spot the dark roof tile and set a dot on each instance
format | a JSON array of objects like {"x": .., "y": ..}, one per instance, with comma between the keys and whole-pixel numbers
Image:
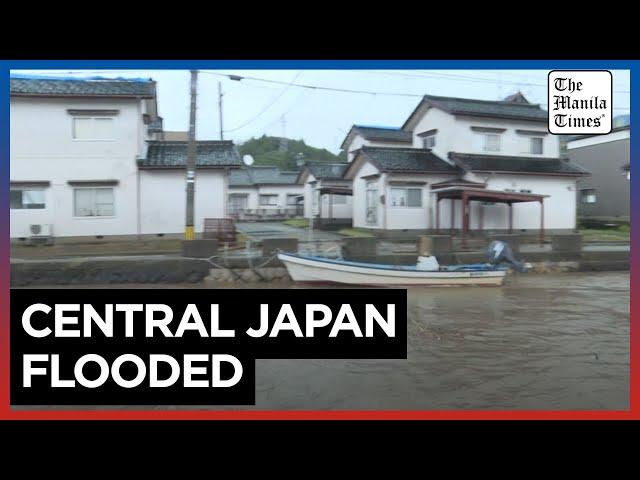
[
  {"x": 384, "y": 134},
  {"x": 326, "y": 171},
  {"x": 94, "y": 87},
  {"x": 174, "y": 155},
  {"x": 512, "y": 110},
  {"x": 504, "y": 163},
  {"x": 407, "y": 160},
  {"x": 261, "y": 175},
  {"x": 379, "y": 134}
]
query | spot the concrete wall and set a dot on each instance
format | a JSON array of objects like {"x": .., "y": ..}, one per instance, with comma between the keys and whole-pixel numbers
[
  {"x": 43, "y": 149},
  {"x": 163, "y": 199},
  {"x": 604, "y": 160}
]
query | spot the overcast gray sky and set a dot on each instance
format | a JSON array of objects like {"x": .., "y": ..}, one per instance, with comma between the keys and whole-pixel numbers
[{"x": 322, "y": 118}]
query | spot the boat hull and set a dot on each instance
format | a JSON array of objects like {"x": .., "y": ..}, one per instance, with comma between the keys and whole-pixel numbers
[{"x": 303, "y": 269}]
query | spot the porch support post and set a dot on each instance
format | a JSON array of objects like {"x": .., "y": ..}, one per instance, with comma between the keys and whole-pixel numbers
[
  {"x": 541, "y": 221},
  {"x": 510, "y": 217},
  {"x": 438, "y": 215},
  {"x": 453, "y": 215},
  {"x": 481, "y": 218},
  {"x": 465, "y": 219},
  {"x": 330, "y": 205}
]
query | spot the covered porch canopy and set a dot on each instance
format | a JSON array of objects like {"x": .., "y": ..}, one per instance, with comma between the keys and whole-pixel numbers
[
  {"x": 469, "y": 194},
  {"x": 334, "y": 190}
]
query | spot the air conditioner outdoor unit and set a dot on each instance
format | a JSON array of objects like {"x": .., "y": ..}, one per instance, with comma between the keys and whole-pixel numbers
[{"x": 40, "y": 233}]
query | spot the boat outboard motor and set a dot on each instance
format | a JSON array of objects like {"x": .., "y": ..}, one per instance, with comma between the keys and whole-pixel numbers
[{"x": 500, "y": 252}]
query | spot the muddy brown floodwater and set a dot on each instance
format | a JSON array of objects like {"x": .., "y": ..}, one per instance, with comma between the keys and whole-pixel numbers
[{"x": 540, "y": 342}]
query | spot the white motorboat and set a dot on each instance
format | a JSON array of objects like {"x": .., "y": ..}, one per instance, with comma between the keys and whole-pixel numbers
[{"x": 303, "y": 268}]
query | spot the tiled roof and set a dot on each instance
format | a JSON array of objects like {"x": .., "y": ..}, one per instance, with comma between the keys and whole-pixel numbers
[
  {"x": 512, "y": 110},
  {"x": 504, "y": 163},
  {"x": 210, "y": 154},
  {"x": 261, "y": 175},
  {"x": 94, "y": 87},
  {"x": 407, "y": 160},
  {"x": 240, "y": 178},
  {"x": 379, "y": 134},
  {"x": 326, "y": 171}
]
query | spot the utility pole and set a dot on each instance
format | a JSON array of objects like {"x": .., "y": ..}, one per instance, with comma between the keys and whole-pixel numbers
[
  {"x": 189, "y": 233},
  {"x": 220, "y": 107}
]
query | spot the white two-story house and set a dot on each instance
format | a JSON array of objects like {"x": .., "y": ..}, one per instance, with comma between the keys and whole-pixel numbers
[
  {"x": 459, "y": 147},
  {"x": 370, "y": 136},
  {"x": 85, "y": 162}
]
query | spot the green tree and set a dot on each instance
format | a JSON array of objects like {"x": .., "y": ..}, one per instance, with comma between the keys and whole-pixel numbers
[{"x": 269, "y": 151}]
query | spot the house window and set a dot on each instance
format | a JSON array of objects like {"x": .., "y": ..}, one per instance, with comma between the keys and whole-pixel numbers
[
  {"x": 238, "y": 202},
  {"x": 406, "y": 197},
  {"x": 268, "y": 200},
  {"x": 93, "y": 128},
  {"x": 26, "y": 199},
  {"x": 491, "y": 142},
  {"x": 535, "y": 146},
  {"x": 524, "y": 190},
  {"x": 588, "y": 195},
  {"x": 429, "y": 141},
  {"x": 292, "y": 199},
  {"x": 93, "y": 202}
]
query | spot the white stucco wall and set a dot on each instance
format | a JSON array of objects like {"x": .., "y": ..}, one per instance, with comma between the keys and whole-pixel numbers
[
  {"x": 360, "y": 197},
  {"x": 390, "y": 217},
  {"x": 325, "y": 209},
  {"x": 344, "y": 210},
  {"x": 445, "y": 138},
  {"x": 163, "y": 199},
  {"x": 455, "y": 135},
  {"x": 359, "y": 141},
  {"x": 559, "y": 207},
  {"x": 43, "y": 149}
]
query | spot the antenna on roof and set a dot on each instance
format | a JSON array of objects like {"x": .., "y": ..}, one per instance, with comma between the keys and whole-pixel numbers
[{"x": 247, "y": 160}]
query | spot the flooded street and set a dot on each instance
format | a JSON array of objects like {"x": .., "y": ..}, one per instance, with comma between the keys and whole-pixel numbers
[{"x": 540, "y": 342}]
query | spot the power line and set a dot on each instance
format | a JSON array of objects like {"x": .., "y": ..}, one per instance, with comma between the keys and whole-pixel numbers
[
  {"x": 433, "y": 75},
  {"x": 314, "y": 87},
  {"x": 466, "y": 78},
  {"x": 284, "y": 90},
  {"x": 427, "y": 74},
  {"x": 291, "y": 106}
]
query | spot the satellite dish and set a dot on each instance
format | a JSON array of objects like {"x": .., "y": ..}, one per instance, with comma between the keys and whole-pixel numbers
[{"x": 248, "y": 160}]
